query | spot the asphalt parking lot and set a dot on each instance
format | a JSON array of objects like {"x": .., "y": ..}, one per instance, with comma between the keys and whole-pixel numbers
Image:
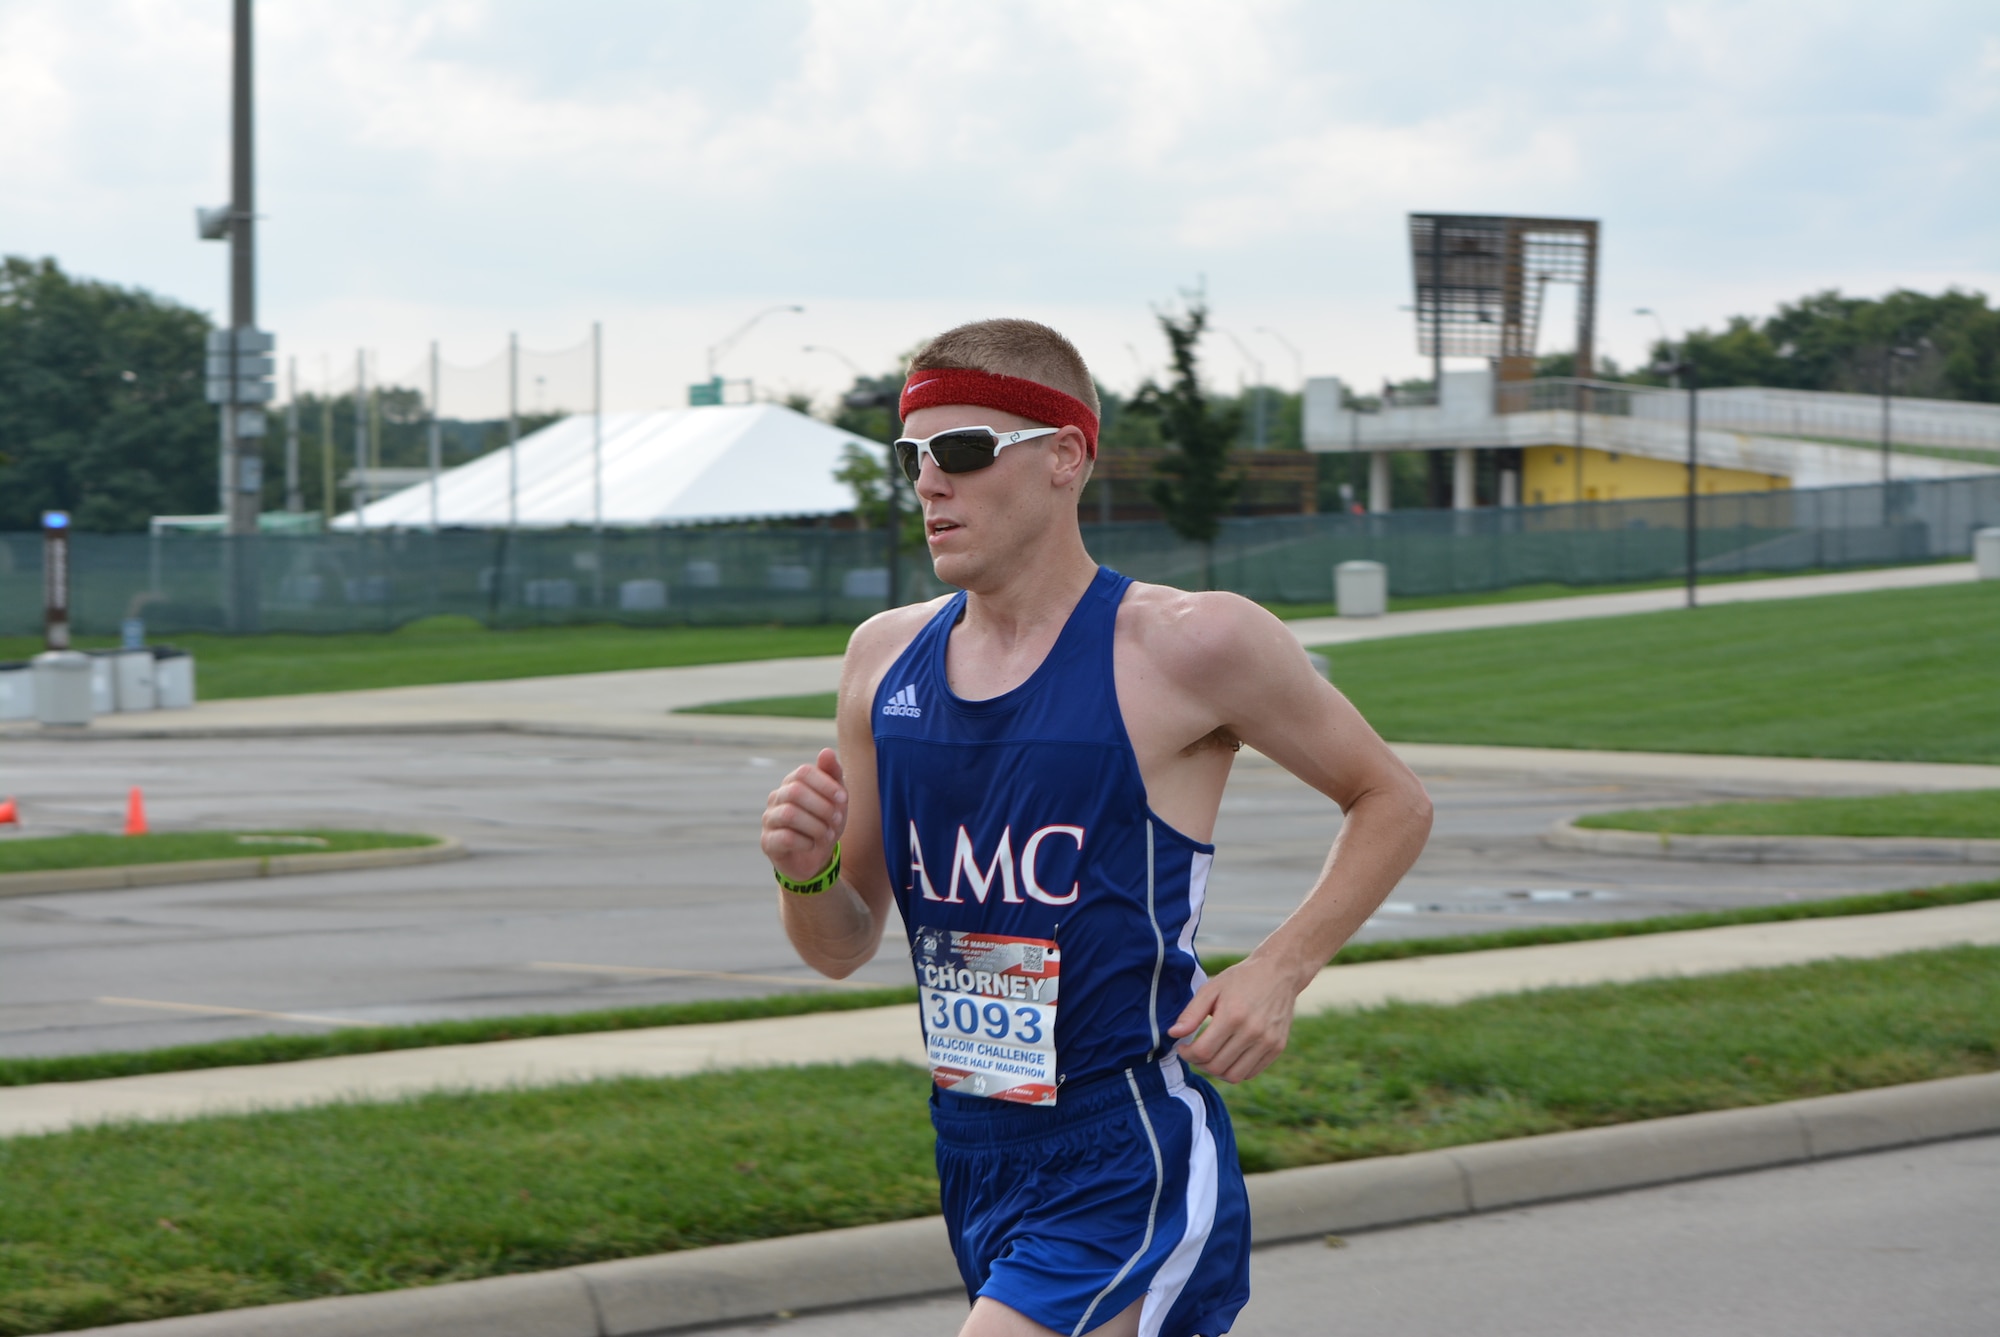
[{"x": 609, "y": 872}]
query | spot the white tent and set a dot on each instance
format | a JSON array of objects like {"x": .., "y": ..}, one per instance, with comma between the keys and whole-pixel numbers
[{"x": 674, "y": 466}]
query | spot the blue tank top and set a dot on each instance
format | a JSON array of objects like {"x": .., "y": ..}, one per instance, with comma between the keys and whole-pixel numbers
[{"x": 1051, "y": 915}]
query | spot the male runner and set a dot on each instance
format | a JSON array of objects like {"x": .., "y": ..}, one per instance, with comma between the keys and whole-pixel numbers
[{"x": 1030, "y": 770}]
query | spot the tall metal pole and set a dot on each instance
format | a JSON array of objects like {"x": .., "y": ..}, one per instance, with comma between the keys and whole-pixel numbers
[
  {"x": 1888, "y": 369},
  {"x": 513, "y": 425},
  {"x": 242, "y": 451},
  {"x": 436, "y": 437},
  {"x": 597, "y": 425},
  {"x": 292, "y": 502},
  {"x": 1694, "y": 464},
  {"x": 360, "y": 494},
  {"x": 326, "y": 488}
]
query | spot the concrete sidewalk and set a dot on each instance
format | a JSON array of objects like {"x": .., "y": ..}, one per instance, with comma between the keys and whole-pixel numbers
[
  {"x": 891, "y": 1034},
  {"x": 1480, "y": 617},
  {"x": 639, "y": 702}
]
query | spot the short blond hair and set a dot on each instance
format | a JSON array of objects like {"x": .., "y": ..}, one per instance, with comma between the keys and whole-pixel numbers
[{"x": 1012, "y": 347}]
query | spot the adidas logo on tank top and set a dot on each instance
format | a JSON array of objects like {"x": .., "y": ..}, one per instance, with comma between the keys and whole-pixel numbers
[{"x": 903, "y": 703}]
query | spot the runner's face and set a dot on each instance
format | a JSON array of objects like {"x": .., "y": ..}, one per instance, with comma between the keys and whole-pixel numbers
[{"x": 977, "y": 524}]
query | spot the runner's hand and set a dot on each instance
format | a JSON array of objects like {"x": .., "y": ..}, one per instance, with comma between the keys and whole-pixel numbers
[
  {"x": 804, "y": 815},
  {"x": 1248, "y": 1008}
]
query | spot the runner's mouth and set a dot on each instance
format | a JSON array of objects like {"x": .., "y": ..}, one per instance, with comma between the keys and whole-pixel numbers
[{"x": 937, "y": 527}]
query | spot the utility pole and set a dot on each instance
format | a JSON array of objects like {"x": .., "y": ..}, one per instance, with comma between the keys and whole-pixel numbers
[
  {"x": 292, "y": 502},
  {"x": 327, "y": 493},
  {"x": 1684, "y": 366},
  {"x": 1694, "y": 468},
  {"x": 513, "y": 426},
  {"x": 436, "y": 437},
  {"x": 597, "y": 425},
  {"x": 1890, "y": 356},
  {"x": 360, "y": 493},
  {"x": 239, "y": 363}
]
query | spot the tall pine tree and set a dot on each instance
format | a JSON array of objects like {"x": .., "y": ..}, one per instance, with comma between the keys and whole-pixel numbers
[{"x": 1196, "y": 486}]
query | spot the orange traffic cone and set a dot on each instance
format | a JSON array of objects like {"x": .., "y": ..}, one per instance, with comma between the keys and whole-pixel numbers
[
  {"x": 135, "y": 813},
  {"x": 9, "y": 814}
]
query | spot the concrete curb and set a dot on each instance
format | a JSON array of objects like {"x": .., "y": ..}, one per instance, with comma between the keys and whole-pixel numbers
[
  {"x": 1567, "y": 835},
  {"x": 224, "y": 870},
  {"x": 638, "y": 1297}
]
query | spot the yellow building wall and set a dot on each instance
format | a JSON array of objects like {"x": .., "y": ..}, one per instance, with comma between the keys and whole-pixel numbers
[{"x": 1549, "y": 477}]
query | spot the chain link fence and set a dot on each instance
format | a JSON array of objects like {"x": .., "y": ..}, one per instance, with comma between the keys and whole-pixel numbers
[{"x": 664, "y": 577}]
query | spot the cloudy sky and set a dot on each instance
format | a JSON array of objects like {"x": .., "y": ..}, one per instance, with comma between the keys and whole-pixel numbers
[{"x": 458, "y": 169}]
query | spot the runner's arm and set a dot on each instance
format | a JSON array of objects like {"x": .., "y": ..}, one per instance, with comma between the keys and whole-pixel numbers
[
  {"x": 1275, "y": 702},
  {"x": 837, "y": 931}
]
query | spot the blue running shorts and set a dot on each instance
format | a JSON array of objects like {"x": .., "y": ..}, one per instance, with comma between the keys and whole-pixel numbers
[{"x": 1127, "y": 1187}]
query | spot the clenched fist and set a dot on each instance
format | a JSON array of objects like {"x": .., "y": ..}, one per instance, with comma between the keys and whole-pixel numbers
[{"x": 804, "y": 816}]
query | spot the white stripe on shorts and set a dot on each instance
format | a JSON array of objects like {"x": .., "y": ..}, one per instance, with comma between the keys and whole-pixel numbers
[
  {"x": 1152, "y": 1212},
  {"x": 1202, "y": 1172}
]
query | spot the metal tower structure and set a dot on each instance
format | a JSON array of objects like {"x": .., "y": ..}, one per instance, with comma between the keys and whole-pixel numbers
[{"x": 1480, "y": 283}]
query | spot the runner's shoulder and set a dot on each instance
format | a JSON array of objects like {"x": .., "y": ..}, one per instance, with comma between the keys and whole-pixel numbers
[
  {"x": 876, "y": 642},
  {"x": 1191, "y": 635}
]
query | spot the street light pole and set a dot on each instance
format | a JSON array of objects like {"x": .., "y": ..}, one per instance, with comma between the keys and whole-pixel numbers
[
  {"x": 1666, "y": 341},
  {"x": 1684, "y": 366},
  {"x": 1694, "y": 468},
  {"x": 239, "y": 362},
  {"x": 1257, "y": 370},
  {"x": 243, "y": 505},
  {"x": 1298, "y": 360}
]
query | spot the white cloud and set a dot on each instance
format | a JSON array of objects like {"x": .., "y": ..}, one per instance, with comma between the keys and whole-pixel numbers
[{"x": 459, "y": 168}]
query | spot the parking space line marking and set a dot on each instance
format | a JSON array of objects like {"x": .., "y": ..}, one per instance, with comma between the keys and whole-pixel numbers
[
  {"x": 215, "y": 1010},
  {"x": 670, "y": 972}
]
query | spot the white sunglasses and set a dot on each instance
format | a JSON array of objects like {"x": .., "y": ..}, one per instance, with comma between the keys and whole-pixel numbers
[{"x": 960, "y": 450}]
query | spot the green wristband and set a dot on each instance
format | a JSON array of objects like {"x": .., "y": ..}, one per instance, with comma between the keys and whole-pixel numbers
[{"x": 817, "y": 883}]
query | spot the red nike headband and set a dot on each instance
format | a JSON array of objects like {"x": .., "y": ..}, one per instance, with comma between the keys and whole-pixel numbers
[{"x": 934, "y": 386}]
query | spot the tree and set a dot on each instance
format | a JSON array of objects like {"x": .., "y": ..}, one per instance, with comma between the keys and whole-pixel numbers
[
  {"x": 1196, "y": 487},
  {"x": 1828, "y": 341},
  {"x": 865, "y": 411},
  {"x": 101, "y": 408}
]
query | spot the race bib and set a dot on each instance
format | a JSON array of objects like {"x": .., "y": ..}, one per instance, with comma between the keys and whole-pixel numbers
[{"x": 989, "y": 1005}]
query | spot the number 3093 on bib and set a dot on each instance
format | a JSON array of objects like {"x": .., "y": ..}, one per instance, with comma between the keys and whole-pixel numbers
[{"x": 989, "y": 1009}]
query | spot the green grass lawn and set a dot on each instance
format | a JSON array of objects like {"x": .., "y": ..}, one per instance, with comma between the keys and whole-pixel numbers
[
  {"x": 1907, "y": 675},
  {"x": 812, "y": 706},
  {"x": 41, "y": 854},
  {"x": 1962, "y": 815},
  {"x": 138, "y": 1221},
  {"x": 460, "y": 650},
  {"x": 1904, "y": 675},
  {"x": 482, "y": 1030}
]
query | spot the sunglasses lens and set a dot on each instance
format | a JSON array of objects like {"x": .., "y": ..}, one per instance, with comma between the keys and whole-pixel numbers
[
  {"x": 958, "y": 452},
  {"x": 962, "y": 452}
]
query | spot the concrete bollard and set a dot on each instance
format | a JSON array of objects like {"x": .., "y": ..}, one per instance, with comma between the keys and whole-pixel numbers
[
  {"x": 17, "y": 690},
  {"x": 173, "y": 678},
  {"x": 62, "y": 688},
  {"x": 1361, "y": 589},
  {"x": 103, "y": 683},
  {"x": 132, "y": 679},
  {"x": 1986, "y": 552}
]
